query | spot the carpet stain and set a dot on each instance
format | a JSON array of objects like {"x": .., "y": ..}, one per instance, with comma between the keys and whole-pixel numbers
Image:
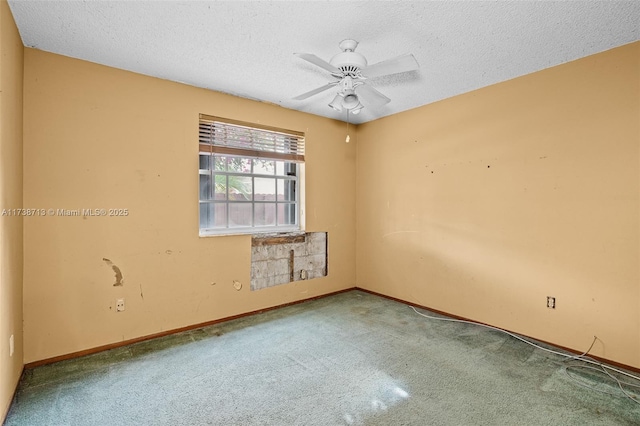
[{"x": 360, "y": 310}]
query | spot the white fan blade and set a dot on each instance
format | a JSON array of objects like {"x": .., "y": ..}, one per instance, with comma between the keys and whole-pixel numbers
[
  {"x": 315, "y": 91},
  {"x": 319, "y": 62},
  {"x": 370, "y": 95},
  {"x": 397, "y": 65}
]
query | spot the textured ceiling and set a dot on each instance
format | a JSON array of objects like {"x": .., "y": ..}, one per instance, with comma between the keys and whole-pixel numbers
[{"x": 246, "y": 48}]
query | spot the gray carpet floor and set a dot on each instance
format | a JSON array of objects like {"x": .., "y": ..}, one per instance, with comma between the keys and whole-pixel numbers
[{"x": 348, "y": 359}]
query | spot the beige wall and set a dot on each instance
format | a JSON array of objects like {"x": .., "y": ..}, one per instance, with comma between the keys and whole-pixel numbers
[
  {"x": 11, "y": 64},
  {"x": 484, "y": 204},
  {"x": 98, "y": 137},
  {"x": 480, "y": 205}
]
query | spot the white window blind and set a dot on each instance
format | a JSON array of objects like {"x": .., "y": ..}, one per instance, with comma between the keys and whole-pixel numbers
[{"x": 223, "y": 136}]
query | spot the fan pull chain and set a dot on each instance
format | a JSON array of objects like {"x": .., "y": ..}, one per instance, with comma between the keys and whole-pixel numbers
[{"x": 348, "y": 138}]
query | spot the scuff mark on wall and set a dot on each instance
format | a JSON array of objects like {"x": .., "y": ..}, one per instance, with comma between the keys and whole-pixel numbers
[
  {"x": 141, "y": 294},
  {"x": 119, "y": 279}
]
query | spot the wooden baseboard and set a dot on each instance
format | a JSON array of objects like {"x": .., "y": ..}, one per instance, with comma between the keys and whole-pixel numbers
[
  {"x": 169, "y": 332},
  {"x": 573, "y": 351},
  {"x": 208, "y": 323}
]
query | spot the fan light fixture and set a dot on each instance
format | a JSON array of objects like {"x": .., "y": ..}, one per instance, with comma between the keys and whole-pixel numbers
[
  {"x": 347, "y": 98},
  {"x": 336, "y": 103},
  {"x": 348, "y": 101}
]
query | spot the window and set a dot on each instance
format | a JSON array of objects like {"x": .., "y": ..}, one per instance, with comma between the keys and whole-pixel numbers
[{"x": 249, "y": 177}]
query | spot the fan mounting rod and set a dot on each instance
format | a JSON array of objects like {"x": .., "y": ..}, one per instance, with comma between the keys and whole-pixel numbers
[{"x": 348, "y": 45}]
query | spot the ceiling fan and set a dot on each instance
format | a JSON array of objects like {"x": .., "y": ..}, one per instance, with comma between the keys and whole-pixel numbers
[{"x": 351, "y": 70}]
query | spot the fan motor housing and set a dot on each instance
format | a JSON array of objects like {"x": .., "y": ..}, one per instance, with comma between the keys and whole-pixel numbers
[{"x": 348, "y": 62}]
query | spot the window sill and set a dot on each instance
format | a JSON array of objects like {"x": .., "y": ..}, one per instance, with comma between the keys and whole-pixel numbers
[{"x": 254, "y": 232}]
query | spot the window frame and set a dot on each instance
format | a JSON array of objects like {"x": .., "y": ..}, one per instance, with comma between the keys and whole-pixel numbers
[{"x": 215, "y": 150}]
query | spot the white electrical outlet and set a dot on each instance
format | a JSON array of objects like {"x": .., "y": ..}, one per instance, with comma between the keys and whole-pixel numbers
[
  {"x": 119, "y": 305},
  {"x": 11, "y": 346}
]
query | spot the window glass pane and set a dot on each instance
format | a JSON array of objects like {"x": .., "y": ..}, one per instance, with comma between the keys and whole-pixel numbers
[
  {"x": 220, "y": 188},
  {"x": 240, "y": 188},
  {"x": 205, "y": 161},
  {"x": 239, "y": 214},
  {"x": 265, "y": 214},
  {"x": 220, "y": 215},
  {"x": 264, "y": 167},
  {"x": 286, "y": 190},
  {"x": 286, "y": 214},
  {"x": 264, "y": 189},
  {"x": 206, "y": 215},
  {"x": 220, "y": 163},
  {"x": 205, "y": 187},
  {"x": 213, "y": 215},
  {"x": 284, "y": 168},
  {"x": 246, "y": 192},
  {"x": 239, "y": 165}
]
